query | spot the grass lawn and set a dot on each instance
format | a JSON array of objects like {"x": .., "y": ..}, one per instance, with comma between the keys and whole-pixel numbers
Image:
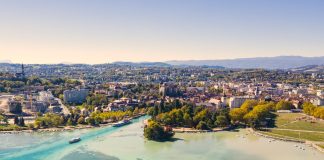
[
  {"x": 283, "y": 121},
  {"x": 288, "y": 121},
  {"x": 284, "y": 118}
]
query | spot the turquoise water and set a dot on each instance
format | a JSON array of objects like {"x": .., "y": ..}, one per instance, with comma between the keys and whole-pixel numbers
[
  {"x": 42, "y": 145},
  {"x": 127, "y": 142}
]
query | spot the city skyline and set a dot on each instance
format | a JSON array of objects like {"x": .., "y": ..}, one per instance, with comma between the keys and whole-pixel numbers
[{"x": 108, "y": 31}]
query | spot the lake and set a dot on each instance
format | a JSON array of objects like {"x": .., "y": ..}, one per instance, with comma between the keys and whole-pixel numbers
[{"x": 128, "y": 143}]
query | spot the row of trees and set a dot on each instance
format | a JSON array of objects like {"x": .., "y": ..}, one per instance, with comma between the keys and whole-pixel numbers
[
  {"x": 95, "y": 118},
  {"x": 253, "y": 113},
  {"x": 313, "y": 110}
]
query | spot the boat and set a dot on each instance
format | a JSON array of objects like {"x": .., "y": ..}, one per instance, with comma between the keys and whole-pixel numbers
[
  {"x": 75, "y": 140},
  {"x": 121, "y": 123}
]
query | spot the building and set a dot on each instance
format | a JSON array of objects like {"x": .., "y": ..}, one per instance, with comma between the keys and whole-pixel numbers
[
  {"x": 15, "y": 106},
  {"x": 237, "y": 101},
  {"x": 320, "y": 93},
  {"x": 75, "y": 96},
  {"x": 55, "y": 109},
  {"x": 45, "y": 96},
  {"x": 169, "y": 89},
  {"x": 21, "y": 75},
  {"x": 39, "y": 106},
  {"x": 318, "y": 101}
]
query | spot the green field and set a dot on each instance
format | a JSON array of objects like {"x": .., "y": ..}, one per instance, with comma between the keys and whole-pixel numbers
[
  {"x": 291, "y": 122},
  {"x": 288, "y": 121}
]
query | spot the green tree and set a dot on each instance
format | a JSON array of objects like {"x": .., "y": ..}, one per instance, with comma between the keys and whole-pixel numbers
[
  {"x": 154, "y": 131},
  {"x": 248, "y": 105},
  {"x": 136, "y": 111},
  {"x": 187, "y": 120},
  {"x": 81, "y": 120},
  {"x": 237, "y": 115},
  {"x": 16, "y": 120},
  {"x": 222, "y": 121},
  {"x": 202, "y": 125},
  {"x": 308, "y": 108},
  {"x": 284, "y": 105}
]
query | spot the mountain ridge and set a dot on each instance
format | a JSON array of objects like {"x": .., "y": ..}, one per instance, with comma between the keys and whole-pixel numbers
[{"x": 279, "y": 62}]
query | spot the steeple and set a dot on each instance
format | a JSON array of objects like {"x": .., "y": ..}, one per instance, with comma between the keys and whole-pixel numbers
[{"x": 22, "y": 70}]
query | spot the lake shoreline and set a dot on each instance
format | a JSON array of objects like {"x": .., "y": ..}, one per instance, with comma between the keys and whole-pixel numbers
[{"x": 65, "y": 128}]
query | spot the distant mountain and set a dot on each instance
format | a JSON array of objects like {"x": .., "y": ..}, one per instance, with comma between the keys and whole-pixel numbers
[
  {"x": 5, "y": 61},
  {"x": 147, "y": 64},
  {"x": 280, "y": 62},
  {"x": 309, "y": 68}
]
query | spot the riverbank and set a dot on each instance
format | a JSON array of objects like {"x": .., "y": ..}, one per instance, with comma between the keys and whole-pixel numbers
[
  {"x": 287, "y": 139},
  {"x": 65, "y": 128}
]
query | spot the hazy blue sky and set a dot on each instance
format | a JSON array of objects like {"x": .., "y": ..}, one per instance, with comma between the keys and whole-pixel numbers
[{"x": 98, "y": 31}]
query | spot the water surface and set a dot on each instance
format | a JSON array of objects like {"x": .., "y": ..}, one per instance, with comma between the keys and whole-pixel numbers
[{"x": 127, "y": 143}]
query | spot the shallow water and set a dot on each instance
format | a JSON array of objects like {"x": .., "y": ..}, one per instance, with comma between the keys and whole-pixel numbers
[{"x": 127, "y": 142}]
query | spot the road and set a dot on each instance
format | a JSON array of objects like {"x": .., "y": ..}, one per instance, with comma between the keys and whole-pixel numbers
[{"x": 65, "y": 109}]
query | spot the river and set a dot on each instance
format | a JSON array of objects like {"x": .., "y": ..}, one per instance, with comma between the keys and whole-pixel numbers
[{"x": 127, "y": 143}]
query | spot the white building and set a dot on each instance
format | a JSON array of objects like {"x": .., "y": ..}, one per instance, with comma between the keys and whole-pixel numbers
[
  {"x": 320, "y": 93},
  {"x": 237, "y": 101},
  {"x": 45, "y": 96},
  {"x": 318, "y": 101},
  {"x": 75, "y": 96}
]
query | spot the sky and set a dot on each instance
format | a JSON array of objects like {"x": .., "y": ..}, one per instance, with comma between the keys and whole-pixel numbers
[{"x": 101, "y": 31}]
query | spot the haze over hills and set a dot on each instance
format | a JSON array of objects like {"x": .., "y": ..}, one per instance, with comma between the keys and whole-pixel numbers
[
  {"x": 280, "y": 62},
  {"x": 5, "y": 61}
]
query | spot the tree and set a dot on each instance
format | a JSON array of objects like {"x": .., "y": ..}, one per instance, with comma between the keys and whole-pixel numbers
[
  {"x": 21, "y": 121},
  {"x": 154, "y": 131},
  {"x": 16, "y": 120},
  {"x": 176, "y": 116},
  {"x": 165, "y": 119},
  {"x": 3, "y": 119},
  {"x": 258, "y": 115},
  {"x": 248, "y": 105},
  {"x": 200, "y": 116},
  {"x": 31, "y": 126},
  {"x": 91, "y": 121},
  {"x": 187, "y": 120},
  {"x": 284, "y": 105},
  {"x": 136, "y": 111},
  {"x": 202, "y": 125},
  {"x": 69, "y": 122},
  {"x": 81, "y": 120},
  {"x": 308, "y": 108},
  {"x": 237, "y": 115},
  {"x": 222, "y": 121},
  {"x": 150, "y": 111}
]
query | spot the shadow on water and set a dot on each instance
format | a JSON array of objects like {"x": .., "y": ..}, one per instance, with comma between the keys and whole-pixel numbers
[
  {"x": 83, "y": 154},
  {"x": 171, "y": 140},
  {"x": 88, "y": 155}
]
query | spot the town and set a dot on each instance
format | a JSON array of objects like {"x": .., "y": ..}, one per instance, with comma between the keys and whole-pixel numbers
[{"x": 75, "y": 96}]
